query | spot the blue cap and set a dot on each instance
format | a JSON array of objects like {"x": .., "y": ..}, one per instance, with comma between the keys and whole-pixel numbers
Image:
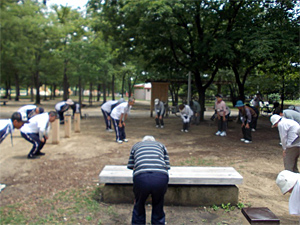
[{"x": 239, "y": 103}]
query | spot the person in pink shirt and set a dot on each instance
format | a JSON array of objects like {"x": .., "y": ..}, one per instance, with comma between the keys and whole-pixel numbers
[{"x": 222, "y": 115}]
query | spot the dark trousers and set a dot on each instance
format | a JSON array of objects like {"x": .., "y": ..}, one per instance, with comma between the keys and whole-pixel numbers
[
  {"x": 161, "y": 121},
  {"x": 35, "y": 140},
  {"x": 185, "y": 126},
  {"x": 107, "y": 122},
  {"x": 120, "y": 131},
  {"x": 254, "y": 122},
  {"x": 61, "y": 117},
  {"x": 247, "y": 132},
  {"x": 222, "y": 125},
  {"x": 145, "y": 184}
]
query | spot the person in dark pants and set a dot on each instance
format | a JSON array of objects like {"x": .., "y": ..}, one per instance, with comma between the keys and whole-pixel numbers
[
  {"x": 37, "y": 132},
  {"x": 62, "y": 107},
  {"x": 160, "y": 112},
  {"x": 246, "y": 115},
  {"x": 150, "y": 163}
]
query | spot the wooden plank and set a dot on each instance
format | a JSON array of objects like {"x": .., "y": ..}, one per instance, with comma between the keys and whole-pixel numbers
[{"x": 178, "y": 175}]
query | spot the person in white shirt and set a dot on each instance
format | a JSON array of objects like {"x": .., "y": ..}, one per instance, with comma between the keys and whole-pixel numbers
[
  {"x": 160, "y": 112},
  {"x": 7, "y": 125},
  {"x": 106, "y": 109},
  {"x": 31, "y": 110},
  {"x": 186, "y": 113},
  {"x": 288, "y": 181},
  {"x": 37, "y": 132},
  {"x": 62, "y": 107},
  {"x": 119, "y": 115},
  {"x": 290, "y": 140}
]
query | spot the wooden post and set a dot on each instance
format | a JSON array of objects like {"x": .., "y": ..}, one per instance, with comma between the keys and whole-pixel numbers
[
  {"x": 68, "y": 121},
  {"x": 55, "y": 132},
  {"x": 77, "y": 122}
]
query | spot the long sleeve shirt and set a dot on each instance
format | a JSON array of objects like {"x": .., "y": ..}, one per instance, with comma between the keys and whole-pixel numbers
[
  {"x": 38, "y": 124},
  {"x": 29, "y": 110},
  {"x": 247, "y": 114},
  {"x": 221, "y": 108},
  {"x": 107, "y": 106},
  {"x": 6, "y": 127},
  {"x": 292, "y": 114},
  {"x": 148, "y": 156},
  {"x": 288, "y": 132},
  {"x": 186, "y": 113},
  {"x": 160, "y": 108},
  {"x": 62, "y": 106},
  {"x": 196, "y": 107}
]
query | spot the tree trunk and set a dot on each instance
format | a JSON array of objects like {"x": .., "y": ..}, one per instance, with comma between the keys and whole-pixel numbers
[
  {"x": 80, "y": 94},
  {"x": 98, "y": 92},
  {"x": 91, "y": 94},
  {"x": 17, "y": 82},
  {"x": 65, "y": 81},
  {"x": 113, "y": 87},
  {"x": 104, "y": 91},
  {"x": 123, "y": 84}
]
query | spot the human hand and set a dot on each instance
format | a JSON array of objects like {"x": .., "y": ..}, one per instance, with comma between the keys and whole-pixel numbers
[{"x": 284, "y": 153}]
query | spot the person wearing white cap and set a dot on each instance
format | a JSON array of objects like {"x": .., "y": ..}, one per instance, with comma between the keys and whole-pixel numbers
[
  {"x": 7, "y": 125},
  {"x": 290, "y": 140},
  {"x": 37, "y": 132},
  {"x": 62, "y": 107},
  {"x": 288, "y": 181},
  {"x": 160, "y": 112},
  {"x": 31, "y": 110}
]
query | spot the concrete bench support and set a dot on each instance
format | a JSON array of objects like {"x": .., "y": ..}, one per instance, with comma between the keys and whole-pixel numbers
[
  {"x": 55, "y": 131},
  {"x": 77, "y": 123},
  {"x": 188, "y": 186}
]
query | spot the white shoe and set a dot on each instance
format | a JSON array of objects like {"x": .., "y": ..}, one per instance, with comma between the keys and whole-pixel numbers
[
  {"x": 223, "y": 134},
  {"x": 242, "y": 139},
  {"x": 186, "y": 131},
  {"x": 125, "y": 140},
  {"x": 161, "y": 126},
  {"x": 157, "y": 126},
  {"x": 2, "y": 186},
  {"x": 182, "y": 130},
  {"x": 218, "y": 133},
  {"x": 253, "y": 130},
  {"x": 110, "y": 130},
  {"x": 119, "y": 141},
  {"x": 247, "y": 141}
]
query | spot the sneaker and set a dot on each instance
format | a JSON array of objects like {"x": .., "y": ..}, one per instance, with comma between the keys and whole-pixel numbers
[
  {"x": 2, "y": 186},
  {"x": 33, "y": 157},
  {"x": 161, "y": 126},
  {"x": 242, "y": 139},
  {"x": 218, "y": 133},
  {"x": 248, "y": 142},
  {"x": 40, "y": 153},
  {"x": 157, "y": 126},
  {"x": 186, "y": 131},
  {"x": 119, "y": 141},
  {"x": 253, "y": 130},
  {"x": 109, "y": 130},
  {"x": 125, "y": 140},
  {"x": 223, "y": 134}
]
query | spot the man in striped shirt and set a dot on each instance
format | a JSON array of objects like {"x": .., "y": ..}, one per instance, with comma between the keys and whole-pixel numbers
[{"x": 150, "y": 163}]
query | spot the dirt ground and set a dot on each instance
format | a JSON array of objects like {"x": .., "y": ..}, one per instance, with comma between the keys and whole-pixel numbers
[{"x": 77, "y": 161}]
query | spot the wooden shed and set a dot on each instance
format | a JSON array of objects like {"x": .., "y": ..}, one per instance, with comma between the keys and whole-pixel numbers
[{"x": 159, "y": 90}]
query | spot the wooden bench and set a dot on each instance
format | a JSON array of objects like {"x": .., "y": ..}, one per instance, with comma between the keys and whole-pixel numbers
[
  {"x": 3, "y": 101},
  {"x": 260, "y": 216},
  {"x": 188, "y": 186}
]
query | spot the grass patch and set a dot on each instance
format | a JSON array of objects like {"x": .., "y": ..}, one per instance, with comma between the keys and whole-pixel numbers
[{"x": 72, "y": 206}]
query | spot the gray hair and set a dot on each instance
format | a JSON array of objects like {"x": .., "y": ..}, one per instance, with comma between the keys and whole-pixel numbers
[{"x": 148, "y": 138}]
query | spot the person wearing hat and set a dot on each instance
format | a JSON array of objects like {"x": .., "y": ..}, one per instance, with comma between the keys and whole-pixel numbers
[
  {"x": 7, "y": 125},
  {"x": 106, "y": 109},
  {"x": 288, "y": 181},
  {"x": 31, "y": 110},
  {"x": 186, "y": 113},
  {"x": 150, "y": 163},
  {"x": 289, "y": 132},
  {"x": 160, "y": 112},
  {"x": 62, "y": 107},
  {"x": 37, "y": 132},
  {"x": 246, "y": 115},
  {"x": 119, "y": 115},
  {"x": 222, "y": 115}
]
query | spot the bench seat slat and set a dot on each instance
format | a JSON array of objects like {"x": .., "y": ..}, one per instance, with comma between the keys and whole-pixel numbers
[{"x": 177, "y": 175}]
